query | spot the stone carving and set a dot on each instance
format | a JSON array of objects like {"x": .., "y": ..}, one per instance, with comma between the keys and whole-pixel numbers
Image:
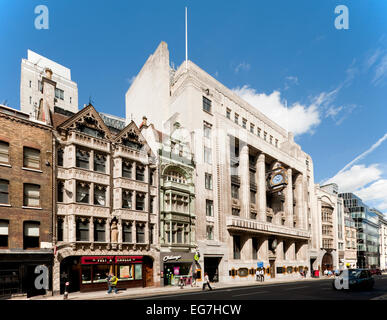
[{"x": 114, "y": 231}]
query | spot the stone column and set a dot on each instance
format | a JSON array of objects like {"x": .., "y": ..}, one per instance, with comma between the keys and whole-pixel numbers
[
  {"x": 91, "y": 160},
  {"x": 261, "y": 188},
  {"x": 107, "y": 230},
  {"x": 134, "y": 232},
  {"x": 134, "y": 170},
  {"x": 91, "y": 193},
  {"x": 299, "y": 201},
  {"x": 245, "y": 183},
  {"x": 263, "y": 249},
  {"x": 91, "y": 229},
  {"x": 56, "y": 277},
  {"x": 292, "y": 251},
  {"x": 247, "y": 247},
  {"x": 289, "y": 200},
  {"x": 119, "y": 226},
  {"x": 134, "y": 200},
  {"x": 73, "y": 228}
]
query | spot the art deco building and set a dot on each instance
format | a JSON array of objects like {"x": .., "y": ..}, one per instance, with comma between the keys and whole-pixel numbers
[
  {"x": 260, "y": 207},
  {"x": 177, "y": 196},
  {"x": 106, "y": 205}
]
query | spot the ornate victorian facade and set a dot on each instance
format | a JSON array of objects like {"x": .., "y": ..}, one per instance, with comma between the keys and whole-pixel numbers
[{"x": 106, "y": 205}]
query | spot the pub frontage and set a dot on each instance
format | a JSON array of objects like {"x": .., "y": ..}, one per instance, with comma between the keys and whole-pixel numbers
[{"x": 89, "y": 273}]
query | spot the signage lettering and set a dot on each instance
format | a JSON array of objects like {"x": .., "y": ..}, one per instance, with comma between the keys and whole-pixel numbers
[{"x": 168, "y": 258}]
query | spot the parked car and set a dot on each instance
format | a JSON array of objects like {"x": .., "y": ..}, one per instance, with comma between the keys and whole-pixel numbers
[
  {"x": 376, "y": 272},
  {"x": 352, "y": 279}
]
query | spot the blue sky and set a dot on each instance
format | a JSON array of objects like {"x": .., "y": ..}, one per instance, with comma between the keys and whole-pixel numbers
[{"x": 334, "y": 81}]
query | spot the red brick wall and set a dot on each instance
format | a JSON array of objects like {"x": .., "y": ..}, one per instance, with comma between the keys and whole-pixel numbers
[{"x": 19, "y": 133}]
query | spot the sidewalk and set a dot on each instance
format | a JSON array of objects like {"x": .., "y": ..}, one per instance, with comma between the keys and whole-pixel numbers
[{"x": 133, "y": 293}]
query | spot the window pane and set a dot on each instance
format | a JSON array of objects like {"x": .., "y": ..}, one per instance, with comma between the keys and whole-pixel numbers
[
  {"x": 31, "y": 158},
  {"x": 31, "y": 195},
  {"x": 4, "y": 152}
]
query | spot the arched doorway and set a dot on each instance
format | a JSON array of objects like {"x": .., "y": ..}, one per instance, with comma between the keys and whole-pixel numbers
[
  {"x": 327, "y": 262},
  {"x": 70, "y": 271}
]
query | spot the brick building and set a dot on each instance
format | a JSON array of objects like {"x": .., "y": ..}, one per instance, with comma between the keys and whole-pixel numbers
[{"x": 26, "y": 205}]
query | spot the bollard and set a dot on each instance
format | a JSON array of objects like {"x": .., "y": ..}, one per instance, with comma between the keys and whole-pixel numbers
[{"x": 66, "y": 293}]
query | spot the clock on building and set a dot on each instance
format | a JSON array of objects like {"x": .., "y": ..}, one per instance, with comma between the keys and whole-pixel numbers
[{"x": 278, "y": 178}]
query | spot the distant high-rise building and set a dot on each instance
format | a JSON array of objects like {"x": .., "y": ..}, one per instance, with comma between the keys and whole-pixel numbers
[{"x": 31, "y": 87}]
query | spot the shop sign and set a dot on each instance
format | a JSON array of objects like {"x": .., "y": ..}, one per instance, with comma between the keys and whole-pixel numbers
[
  {"x": 128, "y": 259},
  {"x": 169, "y": 258},
  {"x": 259, "y": 264},
  {"x": 97, "y": 260}
]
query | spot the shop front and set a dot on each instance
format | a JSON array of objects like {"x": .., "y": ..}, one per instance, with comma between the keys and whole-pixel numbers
[
  {"x": 175, "y": 266},
  {"x": 89, "y": 273}
]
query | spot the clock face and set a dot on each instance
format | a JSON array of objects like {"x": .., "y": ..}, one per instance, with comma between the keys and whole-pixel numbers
[{"x": 277, "y": 179}]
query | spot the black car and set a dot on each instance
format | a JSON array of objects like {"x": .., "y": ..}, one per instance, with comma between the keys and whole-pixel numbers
[{"x": 353, "y": 279}]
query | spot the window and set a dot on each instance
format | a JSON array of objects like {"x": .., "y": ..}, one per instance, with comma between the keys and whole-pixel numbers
[
  {"x": 271, "y": 139},
  {"x": 140, "y": 173},
  {"x": 152, "y": 227},
  {"x": 140, "y": 233},
  {"x": 265, "y": 135},
  {"x": 236, "y": 118},
  {"x": 60, "y": 190},
  {"x": 208, "y": 181},
  {"x": 207, "y": 131},
  {"x": 31, "y": 195},
  {"x": 151, "y": 204},
  {"x": 127, "y": 231},
  {"x": 140, "y": 201},
  {"x": 4, "y": 152},
  {"x": 237, "y": 247},
  {"x": 255, "y": 248},
  {"x": 31, "y": 235},
  {"x": 70, "y": 100},
  {"x": 40, "y": 86},
  {"x": 82, "y": 159},
  {"x": 59, "y": 94},
  {"x": 234, "y": 191},
  {"x": 228, "y": 113},
  {"x": 126, "y": 169},
  {"x": 127, "y": 199},
  {"x": 253, "y": 215},
  {"x": 60, "y": 229},
  {"x": 251, "y": 128},
  {"x": 180, "y": 233},
  {"x": 235, "y": 212},
  {"x": 31, "y": 158},
  {"x": 206, "y": 104},
  {"x": 99, "y": 162},
  {"x": 259, "y": 132},
  {"x": 207, "y": 155},
  {"x": 99, "y": 195},
  {"x": 82, "y": 229},
  {"x": 30, "y": 100},
  {"x": 30, "y": 83},
  {"x": 210, "y": 232},
  {"x": 209, "y": 208},
  {"x": 59, "y": 158},
  {"x": 244, "y": 122},
  {"x": 83, "y": 190},
  {"x": 99, "y": 230},
  {"x": 276, "y": 143},
  {"x": 252, "y": 196},
  {"x": 4, "y": 231},
  {"x": 4, "y": 193}
]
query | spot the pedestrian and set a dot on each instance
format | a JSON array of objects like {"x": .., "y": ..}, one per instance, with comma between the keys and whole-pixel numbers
[
  {"x": 257, "y": 275},
  {"x": 108, "y": 280},
  {"x": 262, "y": 273},
  {"x": 113, "y": 283},
  {"x": 206, "y": 281},
  {"x": 326, "y": 272},
  {"x": 193, "y": 283}
]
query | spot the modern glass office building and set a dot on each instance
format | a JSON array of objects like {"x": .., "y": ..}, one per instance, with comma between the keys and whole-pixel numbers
[{"x": 367, "y": 230}]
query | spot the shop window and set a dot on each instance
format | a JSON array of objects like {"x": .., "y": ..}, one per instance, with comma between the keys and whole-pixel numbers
[
  {"x": 99, "y": 162},
  {"x": 82, "y": 159},
  {"x": 86, "y": 274},
  {"x": 127, "y": 232},
  {"x": 99, "y": 230},
  {"x": 60, "y": 190},
  {"x": 140, "y": 233},
  {"x": 4, "y": 152},
  {"x": 279, "y": 270},
  {"x": 4, "y": 191},
  {"x": 83, "y": 192},
  {"x": 31, "y": 158},
  {"x": 82, "y": 229},
  {"x": 289, "y": 269},
  {"x": 4, "y": 231},
  {"x": 237, "y": 247},
  {"x": 99, "y": 195},
  {"x": 243, "y": 272},
  {"x": 31, "y": 235},
  {"x": 209, "y": 208},
  {"x": 127, "y": 169},
  {"x": 127, "y": 199},
  {"x": 138, "y": 271},
  {"x": 60, "y": 229},
  {"x": 126, "y": 272},
  {"x": 232, "y": 272},
  {"x": 100, "y": 273},
  {"x": 31, "y": 195},
  {"x": 59, "y": 159},
  {"x": 140, "y": 171}
]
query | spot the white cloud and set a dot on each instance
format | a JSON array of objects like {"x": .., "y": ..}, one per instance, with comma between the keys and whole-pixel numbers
[
  {"x": 289, "y": 81},
  {"x": 377, "y": 191},
  {"x": 131, "y": 79},
  {"x": 242, "y": 66},
  {"x": 381, "y": 71},
  {"x": 356, "y": 177},
  {"x": 297, "y": 118}
]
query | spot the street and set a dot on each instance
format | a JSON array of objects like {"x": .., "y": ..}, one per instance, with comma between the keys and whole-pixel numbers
[{"x": 302, "y": 290}]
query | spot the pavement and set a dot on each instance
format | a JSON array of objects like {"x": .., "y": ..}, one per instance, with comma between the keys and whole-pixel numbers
[{"x": 138, "y": 293}]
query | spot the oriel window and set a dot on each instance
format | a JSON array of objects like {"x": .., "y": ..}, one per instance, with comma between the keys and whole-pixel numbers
[{"x": 83, "y": 159}]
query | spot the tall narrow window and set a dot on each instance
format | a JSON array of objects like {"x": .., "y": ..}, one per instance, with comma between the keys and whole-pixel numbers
[
  {"x": 99, "y": 195},
  {"x": 126, "y": 169},
  {"x": 180, "y": 233},
  {"x": 127, "y": 199},
  {"x": 235, "y": 212},
  {"x": 127, "y": 232},
  {"x": 140, "y": 171},
  {"x": 209, "y": 208},
  {"x": 99, "y": 162},
  {"x": 60, "y": 229},
  {"x": 31, "y": 158},
  {"x": 83, "y": 192},
  {"x": 255, "y": 248},
  {"x": 4, "y": 231},
  {"x": 252, "y": 196},
  {"x": 4, "y": 152},
  {"x": 82, "y": 159},
  {"x": 206, "y": 104},
  {"x": 152, "y": 227},
  {"x": 251, "y": 128},
  {"x": 244, "y": 123},
  {"x": 4, "y": 191},
  {"x": 235, "y": 191},
  {"x": 99, "y": 230},
  {"x": 228, "y": 113},
  {"x": 237, "y": 247},
  {"x": 59, "y": 158},
  {"x": 82, "y": 229},
  {"x": 236, "y": 118},
  {"x": 210, "y": 232},
  {"x": 208, "y": 181},
  {"x": 207, "y": 155},
  {"x": 31, "y": 235},
  {"x": 31, "y": 195},
  {"x": 140, "y": 201},
  {"x": 207, "y": 130},
  {"x": 60, "y": 190},
  {"x": 140, "y": 233}
]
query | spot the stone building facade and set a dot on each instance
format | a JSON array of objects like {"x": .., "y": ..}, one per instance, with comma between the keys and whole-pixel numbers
[
  {"x": 26, "y": 205},
  {"x": 350, "y": 253},
  {"x": 263, "y": 184},
  {"x": 106, "y": 205}
]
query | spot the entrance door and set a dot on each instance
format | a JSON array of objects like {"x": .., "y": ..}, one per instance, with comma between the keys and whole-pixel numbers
[
  {"x": 211, "y": 265},
  {"x": 272, "y": 268},
  {"x": 148, "y": 269}
]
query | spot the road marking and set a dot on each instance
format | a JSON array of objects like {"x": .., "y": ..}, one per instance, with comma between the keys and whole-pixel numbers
[
  {"x": 297, "y": 288},
  {"x": 250, "y": 293}
]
